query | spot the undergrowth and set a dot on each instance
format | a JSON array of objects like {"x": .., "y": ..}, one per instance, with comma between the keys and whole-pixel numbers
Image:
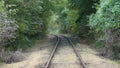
[
  {"x": 23, "y": 42},
  {"x": 99, "y": 44}
]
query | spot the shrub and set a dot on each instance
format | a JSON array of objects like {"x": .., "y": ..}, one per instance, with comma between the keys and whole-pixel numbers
[{"x": 7, "y": 30}]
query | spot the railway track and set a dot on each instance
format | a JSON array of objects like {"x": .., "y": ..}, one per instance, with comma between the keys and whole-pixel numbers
[
  {"x": 75, "y": 50},
  {"x": 48, "y": 63}
]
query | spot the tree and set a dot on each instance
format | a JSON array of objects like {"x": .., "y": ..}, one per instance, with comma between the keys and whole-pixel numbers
[
  {"x": 84, "y": 8},
  {"x": 107, "y": 21},
  {"x": 29, "y": 15}
]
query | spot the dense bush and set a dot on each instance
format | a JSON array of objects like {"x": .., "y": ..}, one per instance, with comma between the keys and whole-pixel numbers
[
  {"x": 29, "y": 16},
  {"x": 7, "y": 30},
  {"x": 106, "y": 23}
]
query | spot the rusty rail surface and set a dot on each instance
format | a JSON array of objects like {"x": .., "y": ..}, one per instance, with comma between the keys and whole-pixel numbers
[
  {"x": 52, "y": 54},
  {"x": 55, "y": 48},
  {"x": 77, "y": 54}
]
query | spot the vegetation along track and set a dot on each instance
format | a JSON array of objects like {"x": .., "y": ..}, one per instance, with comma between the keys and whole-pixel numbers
[{"x": 59, "y": 39}]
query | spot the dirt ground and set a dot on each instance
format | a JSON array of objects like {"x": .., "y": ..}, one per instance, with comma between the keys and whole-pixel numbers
[
  {"x": 92, "y": 59},
  {"x": 36, "y": 55},
  {"x": 64, "y": 58}
]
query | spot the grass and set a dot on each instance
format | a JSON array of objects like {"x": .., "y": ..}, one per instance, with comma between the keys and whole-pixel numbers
[{"x": 118, "y": 61}]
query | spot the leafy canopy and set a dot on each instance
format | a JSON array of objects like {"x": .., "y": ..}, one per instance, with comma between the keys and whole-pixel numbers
[{"x": 107, "y": 15}]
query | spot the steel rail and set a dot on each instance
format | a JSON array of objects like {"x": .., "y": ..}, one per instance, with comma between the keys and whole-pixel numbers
[
  {"x": 77, "y": 54},
  {"x": 52, "y": 53}
]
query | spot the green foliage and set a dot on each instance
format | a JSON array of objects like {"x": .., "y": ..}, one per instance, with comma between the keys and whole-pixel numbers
[
  {"x": 83, "y": 8},
  {"x": 107, "y": 16},
  {"x": 70, "y": 14},
  {"x": 1, "y": 6},
  {"x": 105, "y": 23},
  {"x": 54, "y": 21},
  {"x": 100, "y": 44},
  {"x": 7, "y": 30},
  {"x": 57, "y": 17},
  {"x": 22, "y": 27},
  {"x": 30, "y": 18}
]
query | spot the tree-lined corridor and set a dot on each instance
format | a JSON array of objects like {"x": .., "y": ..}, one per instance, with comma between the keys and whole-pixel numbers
[{"x": 95, "y": 23}]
